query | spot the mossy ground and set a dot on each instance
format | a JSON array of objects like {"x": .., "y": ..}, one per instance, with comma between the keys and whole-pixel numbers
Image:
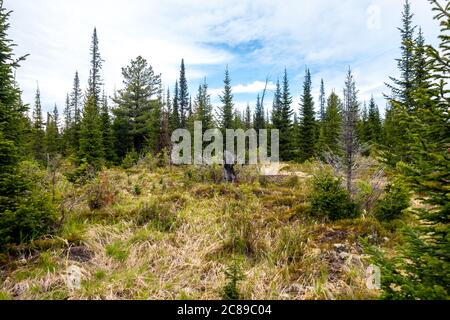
[{"x": 166, "y": 235}]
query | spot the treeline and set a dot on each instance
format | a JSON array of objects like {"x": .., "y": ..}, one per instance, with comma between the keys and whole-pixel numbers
[{"x": 140, "y": 118}]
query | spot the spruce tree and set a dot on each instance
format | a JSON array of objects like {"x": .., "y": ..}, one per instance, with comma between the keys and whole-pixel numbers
[
  {"x": 91, "y": 144},
  {"x": 402, "y": 87},
  {"x": 183, "y": 96},
  {"x": 68, "y": 116},
  {"x": 276, "y": 107},
  {"x": 349, "y": 140},
  {"x": 67, "y": 130},
  {"x": 95, "y": 80},
  {"x": 11, "y": 110},
  {"x": 307, "y": 122},
  {"x": 169, "y": 112},
  {"x": 25, "y": 209},
  {"x": 322, "y": 101},
  {"x": 420, "y": 270},
  {"x": 332, "y": 125},
  {"x": 226, "y": 111},
  {"x": 363, "y": 128},
  {"x": 422, "y": 74},
  {"x": 56, "y": 119},
  {"x": 203, "y": 107},
  {"x": 139, "y": 107},
  {"x": 286, "y": 135},
  {"x": 106, "y": 129},
  {"x": 76, "y": 98},
  {"x": 248, "y": 118},
  {"x": 38, "y": 129},
  {"x": 238, "y": 120},
  {"x": 373, "y": 126},
  {"x": 175, "y": 116},
  {"x": 259, "y": 121},
  {"x": 401, "y": 91},
  {"x": 52, "y": 135},
  {"x": 164, "y": 140}
]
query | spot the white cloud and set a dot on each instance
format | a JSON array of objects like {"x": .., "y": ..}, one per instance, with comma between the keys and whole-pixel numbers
[
  {"x": 254, "y": 87},
  {"x": 373, "y": 17}
]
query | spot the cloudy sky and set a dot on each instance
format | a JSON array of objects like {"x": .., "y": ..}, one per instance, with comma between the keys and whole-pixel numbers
[{"x": 256, "y": 39}]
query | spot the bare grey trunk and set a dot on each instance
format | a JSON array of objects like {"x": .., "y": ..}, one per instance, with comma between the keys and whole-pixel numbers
[{"x": 229, "y": 174}]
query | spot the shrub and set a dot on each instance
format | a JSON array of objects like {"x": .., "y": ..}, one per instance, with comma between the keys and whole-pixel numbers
[
  {"x": 81, "y": 174},
  {"x": 130, "y": 159},
  {"x": 34, "y": 217},
  {"x": 26, "y": 210},
  {"x": 163, "y": 158},
  {"x": 393, "y": 204},
  {"x": 100, "y": 193},
  {"x": 149, "y": 161},
  {"x": 330, "y": 200},
  {"x": 205, "y": 173},
  {"x": 233, "y": 274},
  {"x": 137, "y": 190},
  {"x": 160, "y": 215}
]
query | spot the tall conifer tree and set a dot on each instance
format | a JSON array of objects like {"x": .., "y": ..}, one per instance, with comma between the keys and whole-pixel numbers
[
  {"x": 350, "y": 142},
  {"x": 183, "y": 96},
  {"x": 95, "y": 80},
  {"x": 139, "y": 107},
  {"x": 106, "y": 129},
  {"x": 76, "y": 98},
  {"x": 175, "y": 122},
  {"x": 38, "y": 129},
  {"x": 91, "y": 144},
  {"x": 259, "y": 121},
  {"x": 332, "y": 125},
  {"x": 226, "y": 114},
  {"x": 322, "y": 101},
  {"x": 307, "y": 122}
]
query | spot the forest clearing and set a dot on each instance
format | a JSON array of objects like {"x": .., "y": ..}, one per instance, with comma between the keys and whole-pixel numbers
[
  {"x": 160, "y": 233},
  {"x": 112, "y": 199}
]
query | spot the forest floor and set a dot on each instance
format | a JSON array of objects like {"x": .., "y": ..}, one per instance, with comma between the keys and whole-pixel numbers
[{"x": 171, "y": 233}]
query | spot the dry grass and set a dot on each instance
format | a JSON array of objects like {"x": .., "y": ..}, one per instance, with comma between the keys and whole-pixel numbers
[{"x": 174, "y": 238}]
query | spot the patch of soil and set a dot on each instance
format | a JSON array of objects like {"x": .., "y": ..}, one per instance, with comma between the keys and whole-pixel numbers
[
  {"x": 80, "y": 254},
  {"x": 333, "y": 236}
]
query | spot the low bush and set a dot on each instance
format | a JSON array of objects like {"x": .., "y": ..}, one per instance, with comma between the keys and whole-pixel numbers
[
  {"x": 130, "y": 159},
  {"x": 137, "y": 190},
  {"x": 234, "y": 275},
  {"x": 100, "y": 193},
  {"x": 393, "y": 204},
  {"x": 26, "y": 209},
  {"x": 205, "y": 173},
  {"x": 81, "y": 173},
  {"x": 330, "y": 200}
]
